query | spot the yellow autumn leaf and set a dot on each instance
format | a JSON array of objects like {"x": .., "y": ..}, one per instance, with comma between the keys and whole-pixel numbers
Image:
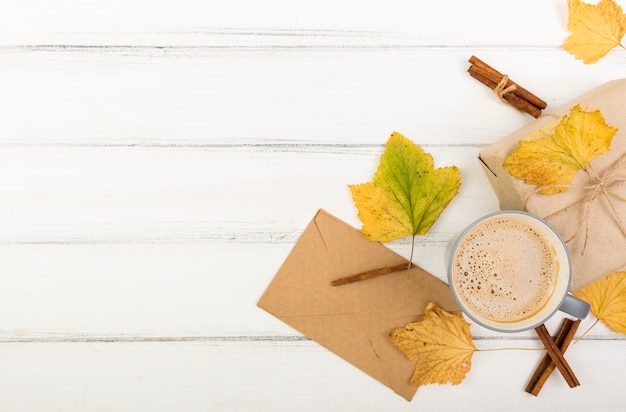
[
  {"x": 596, "y": 29},
  {"x": 550, "y": 157},
  {"x": 607, "y": 298},
  {"x": 407, "y": 194},
  {"x": 441, "y": 344}
]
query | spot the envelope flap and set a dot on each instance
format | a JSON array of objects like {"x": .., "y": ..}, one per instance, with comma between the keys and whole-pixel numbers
[
  {"x": 301, "y": 295},
  {"x": 353, "y": 321},
  {"x": 350, "y": 251},
  {"x": 301, "y": 285}
]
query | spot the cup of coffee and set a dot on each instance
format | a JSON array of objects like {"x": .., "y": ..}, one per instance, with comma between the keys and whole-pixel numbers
[{"x": 510, "y": 271}]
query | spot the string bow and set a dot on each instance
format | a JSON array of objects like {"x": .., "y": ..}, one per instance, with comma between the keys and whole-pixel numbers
[{"x": 603, "y": 185}]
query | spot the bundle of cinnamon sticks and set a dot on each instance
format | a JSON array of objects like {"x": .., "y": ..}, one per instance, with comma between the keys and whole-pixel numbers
[
  {"x": 554, "y": 357},
  {"x": 506, "y": 89}
]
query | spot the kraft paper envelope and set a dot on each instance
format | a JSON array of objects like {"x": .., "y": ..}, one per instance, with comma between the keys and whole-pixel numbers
[{"x": 353, "y": 321}]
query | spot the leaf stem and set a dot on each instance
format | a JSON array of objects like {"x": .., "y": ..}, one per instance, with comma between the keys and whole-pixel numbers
[
  {"x": 502, "y": 349},
  {"x": 586, "y": 332},
  {"x": 408, "y": 269}
]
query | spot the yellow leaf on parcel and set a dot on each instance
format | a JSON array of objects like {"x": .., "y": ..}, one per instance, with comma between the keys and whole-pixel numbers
[
  {"x": 407, "y": 194},
  {"x": 596, "y": 29},
  {"x": 607, "y": 298},
  {"x": 441, "y": 344},
  {"x": 550, "y": 157}
]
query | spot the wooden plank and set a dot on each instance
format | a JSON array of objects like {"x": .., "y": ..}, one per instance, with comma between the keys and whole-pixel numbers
[
  {"x": 147, "y": 195},
  {"x": 139, "y": 291},
  {"x": 210, "y": 98},
  {"x": 157, "y": 292},
  {"x": 130, "y": 292},
  {"x": 242, "y": 376},
  {"x": 280, "y": 23}
]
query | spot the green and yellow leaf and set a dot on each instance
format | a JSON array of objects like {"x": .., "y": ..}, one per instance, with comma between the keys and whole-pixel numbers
[{"x": 407, "y": 194}]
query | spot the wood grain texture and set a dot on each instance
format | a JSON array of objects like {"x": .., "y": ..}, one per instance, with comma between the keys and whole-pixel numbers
[
  {"x": 203, "y": 97},
  {"x": 160, "y": 159},
  {"x": 257, "y": 375},
  {"x": 282, "y": 23}
]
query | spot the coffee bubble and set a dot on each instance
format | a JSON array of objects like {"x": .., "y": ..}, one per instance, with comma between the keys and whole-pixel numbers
[{"x": 505, "y": 270}]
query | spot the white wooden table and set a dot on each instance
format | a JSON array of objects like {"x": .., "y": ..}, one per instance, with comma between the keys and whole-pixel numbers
[{"x": 159, "y": 159}]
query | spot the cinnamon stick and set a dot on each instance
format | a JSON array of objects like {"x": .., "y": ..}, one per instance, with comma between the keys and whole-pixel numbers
[
  {"x": 557, "y": 356},
  {"x": 496, "y": 76},
  {"x": 562, "y": 340},
  {"x": 369, "y": 274},
  {"x": 513, "y": 99}
]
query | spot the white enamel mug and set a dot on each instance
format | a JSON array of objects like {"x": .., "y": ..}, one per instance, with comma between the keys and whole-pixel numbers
[{"x": 555, "y": 296}]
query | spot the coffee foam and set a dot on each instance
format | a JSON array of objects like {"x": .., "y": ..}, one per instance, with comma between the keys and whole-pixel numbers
[{"x": 505, "y": 270}]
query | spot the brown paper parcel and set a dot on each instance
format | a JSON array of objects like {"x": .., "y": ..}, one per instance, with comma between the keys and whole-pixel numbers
[
  {"x": 605, "y": 250},
  {"x": 353, "y": 321}
]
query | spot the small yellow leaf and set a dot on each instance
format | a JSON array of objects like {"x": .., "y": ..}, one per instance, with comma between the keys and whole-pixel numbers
[
  {"x": 407, "y": 193},
  {"x": 596, "y": 29},
  {"x": 441, "y": 344},
  {"x": 607, "y": 298},
  {"x": 551, "y": 156}
]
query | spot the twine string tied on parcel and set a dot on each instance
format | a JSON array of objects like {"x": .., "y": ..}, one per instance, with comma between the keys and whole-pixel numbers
[{"x": 601, "y": 185}]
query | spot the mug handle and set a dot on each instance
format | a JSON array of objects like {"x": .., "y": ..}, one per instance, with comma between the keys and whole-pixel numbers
[{"x": 575, "y": 307}]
